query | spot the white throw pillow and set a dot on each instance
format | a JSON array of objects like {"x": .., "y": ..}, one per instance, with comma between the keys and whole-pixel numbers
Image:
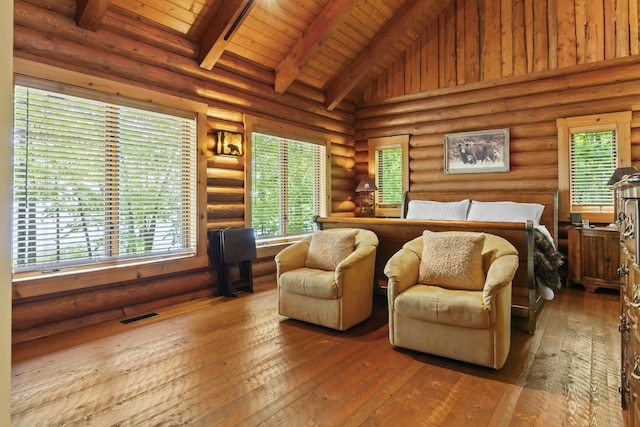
[
  {"x": 505, "y": 212},
  {"x": 427, "y": 209}
]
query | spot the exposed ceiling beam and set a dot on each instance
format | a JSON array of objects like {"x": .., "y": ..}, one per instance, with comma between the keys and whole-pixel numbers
[
  {"x": 340, "y": 87},
  {"x": 89, "y": 13},
  {"x": 333, "y": 14},
  {"x": 215, "y": 40}
]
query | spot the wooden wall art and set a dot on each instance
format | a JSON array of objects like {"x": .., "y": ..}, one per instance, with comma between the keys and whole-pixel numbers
[{"x": 229, "y": 143}]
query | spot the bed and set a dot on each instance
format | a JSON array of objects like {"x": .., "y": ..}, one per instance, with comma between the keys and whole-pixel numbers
[{"x": 394, "y": 232}]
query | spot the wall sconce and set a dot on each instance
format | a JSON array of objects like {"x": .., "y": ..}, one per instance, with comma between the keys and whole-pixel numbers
[{"x": 366, "y": 189}]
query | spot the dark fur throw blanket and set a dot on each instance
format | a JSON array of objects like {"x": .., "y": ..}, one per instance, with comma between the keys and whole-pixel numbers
[{"x": 547, "y": 260}]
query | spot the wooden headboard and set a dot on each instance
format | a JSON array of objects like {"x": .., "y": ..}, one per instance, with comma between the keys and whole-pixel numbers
[{"x": 548, "y": 198}]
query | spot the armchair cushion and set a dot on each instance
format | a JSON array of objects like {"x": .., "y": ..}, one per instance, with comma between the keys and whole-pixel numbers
[
  {"x": 444, "y": 306},
  {"x": 327, "y": 249},
  {"x": 452, "y": 261}
]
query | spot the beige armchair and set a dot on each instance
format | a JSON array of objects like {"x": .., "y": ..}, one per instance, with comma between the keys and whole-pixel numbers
[
  {"x": 470, "y": 322},
  {"x": 337, "y": 298}
]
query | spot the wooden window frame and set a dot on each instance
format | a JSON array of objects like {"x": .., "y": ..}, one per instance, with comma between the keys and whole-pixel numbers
[
  {"x": 32, "y": 285},
  {"x": 377, "y": 144},
  {"x": 618, "y": 121}
]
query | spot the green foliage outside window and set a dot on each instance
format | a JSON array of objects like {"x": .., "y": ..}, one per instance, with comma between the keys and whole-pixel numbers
[
  {"x": 287, "y": 185},
  {"x": 593, "y": 160},
  {"x": 390, "y": 176}
]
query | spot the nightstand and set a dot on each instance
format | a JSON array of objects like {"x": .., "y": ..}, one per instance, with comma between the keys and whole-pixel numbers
[{"x": 594, "y": 257}]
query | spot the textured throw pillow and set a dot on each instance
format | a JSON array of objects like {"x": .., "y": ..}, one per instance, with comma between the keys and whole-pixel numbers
[
  {"x": 431, "y": 210},
  {"x": 452, "y": 260},
  {"x": 328, "y": 248}
]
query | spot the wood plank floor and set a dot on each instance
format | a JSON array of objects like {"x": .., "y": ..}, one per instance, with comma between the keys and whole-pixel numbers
[{"x": 225, "y": 361}]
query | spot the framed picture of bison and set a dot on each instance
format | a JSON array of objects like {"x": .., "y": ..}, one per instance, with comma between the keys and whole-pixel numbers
[
  {"x": 477, "y": 152},
  {"x": 229, "y": 143}
]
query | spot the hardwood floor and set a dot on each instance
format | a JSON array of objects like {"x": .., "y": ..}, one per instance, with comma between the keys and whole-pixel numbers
[{"x": 225, "y": 361}]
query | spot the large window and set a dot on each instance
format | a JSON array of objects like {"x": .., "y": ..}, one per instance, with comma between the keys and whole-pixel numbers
[
  {"x": 388, "y": 163},
  {"x": 97, "y": 182},
  {"x": 590, "y": 150},
  {"x": 288, "y": 186}
]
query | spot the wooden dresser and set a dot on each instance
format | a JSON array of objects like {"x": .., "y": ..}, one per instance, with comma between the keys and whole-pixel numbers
[{"x": 627, "y": 195}]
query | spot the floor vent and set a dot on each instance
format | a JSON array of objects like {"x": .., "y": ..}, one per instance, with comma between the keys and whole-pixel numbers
[{"x": 137, "y": 318}]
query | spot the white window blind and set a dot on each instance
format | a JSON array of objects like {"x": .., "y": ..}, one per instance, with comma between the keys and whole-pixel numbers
[
  {"x": 389, "y": 175},
  {"x": 593, "y": 159},
  {"x": 288, "y": 185},
  {"x": 97, "y": 182}
]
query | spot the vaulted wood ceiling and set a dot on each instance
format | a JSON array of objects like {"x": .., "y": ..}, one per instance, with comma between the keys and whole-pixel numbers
[{"x": 336, "y": 46}]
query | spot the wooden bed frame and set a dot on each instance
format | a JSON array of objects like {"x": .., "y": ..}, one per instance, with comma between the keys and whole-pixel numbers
[{"x": 395, "y": 232}]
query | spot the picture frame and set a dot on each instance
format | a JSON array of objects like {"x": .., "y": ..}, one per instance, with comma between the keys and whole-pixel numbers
[
  {"x": 229, "y": 143},
  {"x": 476, "y": 151}
]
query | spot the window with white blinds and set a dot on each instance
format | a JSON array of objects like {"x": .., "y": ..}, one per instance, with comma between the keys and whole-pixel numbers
[
  {"x": 593, "y": 158},
  {"x": 288, "y": 185},
  {"x": 388, "y": 159},
  {"x": 590, "y": 149},
  {"x": 96, "y": 181},
  {"x": 389, "y": 176}
]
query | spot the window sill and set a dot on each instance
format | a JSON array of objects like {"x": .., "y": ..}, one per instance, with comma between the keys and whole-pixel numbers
[{"x": 28, "y": 285}]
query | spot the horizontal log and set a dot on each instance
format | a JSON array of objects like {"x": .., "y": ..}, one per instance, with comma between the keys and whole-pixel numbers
[
  {"x": 344, "y": 162},
  {"x": 216, "y": 124},
  {"x": 429, "y": 152},
  {"x": 342, "y": 150},
  {"x": 341, "y": 195},
  {"x": 225, "y": 162},
  {"x": 340, "y": 172},
  {"x": 361, "y": 169},
  {"x": 343, "y": 184},
  {"x": 343, "y": 206},
  {"x": 429, "y": 115},
  {"x": 233, "y": 195},
  {"x": 361, "y": 157},
  {"x": 225, "y": 211},
  {"x": 418, "y": 141},
  {"x": 532, "y": 173},
  {"x": 534, "y": 144},
  {"x": 220, "y": 173},
  {"x": 223, "y": 223},
  {"x": 534, "y": 158},
  {"x": 506, "y": 186},
  {"x": 60, "y": 307}
]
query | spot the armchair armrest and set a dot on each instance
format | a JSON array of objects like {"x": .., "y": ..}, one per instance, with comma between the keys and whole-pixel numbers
[
  {"x": 350, "y": 262},
  {"x": 291, "y": 257},
  {"x": 500, "y": 274},
  {"x": 402, "y": 269}
]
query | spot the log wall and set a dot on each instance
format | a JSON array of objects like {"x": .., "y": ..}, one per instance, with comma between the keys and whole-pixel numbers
[
  {"x": 517, "y": 64},
  {"x": 129, "y": 51}
]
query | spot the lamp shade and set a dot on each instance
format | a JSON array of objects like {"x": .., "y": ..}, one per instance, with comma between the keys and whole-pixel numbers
[
  {"x": 620, "y": 172},
  {"x": 366, "y": 184}
]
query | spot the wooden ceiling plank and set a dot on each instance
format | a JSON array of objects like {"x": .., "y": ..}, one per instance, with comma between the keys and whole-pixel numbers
[
  {"x": 89, "y": 13},
  {"x": 217, "y": 36},
  {"x": 333, "y": 14},
  {"x": 395, "y": 28}
]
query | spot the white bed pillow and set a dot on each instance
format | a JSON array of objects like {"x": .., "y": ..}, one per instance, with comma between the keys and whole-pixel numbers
[
  {"x": 505, "y": 212},
  {"x": 428, "y": 209}
]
